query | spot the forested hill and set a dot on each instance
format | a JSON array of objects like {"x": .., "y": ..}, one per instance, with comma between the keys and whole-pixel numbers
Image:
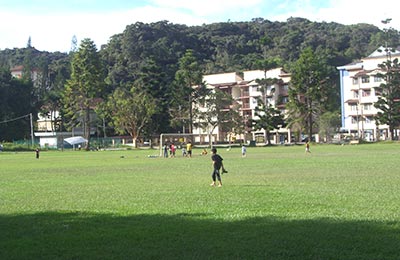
[
  {"x": 230, "y": 46},
  {"x": 236, "y": 46}
]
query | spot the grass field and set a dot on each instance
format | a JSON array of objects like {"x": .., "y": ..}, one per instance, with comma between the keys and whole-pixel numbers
[{"x": 339, "y": 202}]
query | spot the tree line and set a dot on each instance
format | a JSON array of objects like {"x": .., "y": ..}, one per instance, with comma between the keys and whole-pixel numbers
[{"x": 150, "y": 66}]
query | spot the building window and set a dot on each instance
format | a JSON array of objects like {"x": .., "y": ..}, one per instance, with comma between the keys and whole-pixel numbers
[
  {"x": 365, "y": 79},
  {"x": 354, "y": 120},
  {"x": 353, "y": 107},
  {"x": 355, "y": 81},
  {"x": 368, "y": 106},
  {"x": 377, "y": 79},
  {"x": 366, "y": 93},
  {"x": 201, "y": 104},
  {"x": 271, "y": 89},
  {"x": 369, "y": 119},
  {"x": 355, "y": 94},
  {"x": 378, "y": 91}
]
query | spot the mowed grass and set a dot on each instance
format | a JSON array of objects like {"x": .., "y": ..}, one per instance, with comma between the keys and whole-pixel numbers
[{"x": 339, "y": 202}]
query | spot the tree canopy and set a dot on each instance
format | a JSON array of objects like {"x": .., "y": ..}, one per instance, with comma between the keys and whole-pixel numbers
[
  {"x": 131, "y": 110},
  {"x": 85, "y": 86},
  {"x": 389, "y": 101},
  {"x": 308, "y": 92},
  {"x": 15, "y": 103}
]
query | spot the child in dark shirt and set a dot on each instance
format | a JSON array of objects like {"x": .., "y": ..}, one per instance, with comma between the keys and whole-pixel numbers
[{"x": 217, "y": 165}]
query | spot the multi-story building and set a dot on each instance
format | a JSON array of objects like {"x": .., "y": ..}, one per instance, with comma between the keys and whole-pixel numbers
[
  {"x": 18, "y": 71},
  {"x": 245, "y": 90},
  {"x": 360, "y": 89}
]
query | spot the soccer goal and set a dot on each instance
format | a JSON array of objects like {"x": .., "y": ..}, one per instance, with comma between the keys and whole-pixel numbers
[{"x": 179, "y": 139}]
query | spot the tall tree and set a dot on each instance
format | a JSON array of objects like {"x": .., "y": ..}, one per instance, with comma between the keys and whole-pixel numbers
[
  {"x": 308, "y": 92},
  {"x": 153, "y": 81},
  {"x": 218, "y": 111},
  {"x": 58, "y": 73},
  {"x": 130, "y": 111},
  {"x": 389, "y": 101},
  {"x": 28, "y": 63},
  {"x": 267, "y": 118},
  {"x": 15, "y": 106},
  {"x": 84, "y": 87},
  {"x": 329, "y": 124},
  {"x": 29, "y": 43},
  {"x": 188, "y": 76},
  {"x": 74, "y": 44}
]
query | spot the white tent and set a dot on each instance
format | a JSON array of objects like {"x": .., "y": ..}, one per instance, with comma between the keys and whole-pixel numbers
[{"x": 75, "y": 140}]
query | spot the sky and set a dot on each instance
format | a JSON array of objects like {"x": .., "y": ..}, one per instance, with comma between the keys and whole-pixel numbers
[{"x": 51, "y": 24}]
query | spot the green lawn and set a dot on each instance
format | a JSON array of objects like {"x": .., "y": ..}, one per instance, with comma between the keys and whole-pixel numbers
[{"x": 339, "y": 202}]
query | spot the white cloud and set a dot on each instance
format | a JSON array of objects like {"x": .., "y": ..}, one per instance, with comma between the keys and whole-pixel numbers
[
  {"x": 349, "y": 12},
  {"x": 352, "y": 12},
  {"x": 55, "y": 32},
  {"x": 207, "y": 7}
]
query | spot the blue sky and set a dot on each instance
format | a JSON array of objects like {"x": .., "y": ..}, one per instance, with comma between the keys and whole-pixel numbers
[{"x": 51, "y": 24}]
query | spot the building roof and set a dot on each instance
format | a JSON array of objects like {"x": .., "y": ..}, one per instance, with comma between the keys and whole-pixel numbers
[
  {"x": 17, "y": 68},
  {"x": 362, "y": 73},
  {"x": 381, "y": 52},
  {"x": 221, "y": 85},
  {"x": 351, "y": 66}
]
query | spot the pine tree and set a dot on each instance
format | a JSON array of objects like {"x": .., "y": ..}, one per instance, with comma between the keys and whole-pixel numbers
[
  {"x": 308, "y": 91},
  {"x": 84, "y": 87}
]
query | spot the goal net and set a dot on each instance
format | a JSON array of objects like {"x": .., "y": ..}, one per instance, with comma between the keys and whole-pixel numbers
[{"x": 180, "y": 140}]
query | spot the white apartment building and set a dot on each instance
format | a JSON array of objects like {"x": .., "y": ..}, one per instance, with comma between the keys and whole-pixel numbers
[
  {"x": 244, "y": 90},
  {"x": 360, "y": 89}
]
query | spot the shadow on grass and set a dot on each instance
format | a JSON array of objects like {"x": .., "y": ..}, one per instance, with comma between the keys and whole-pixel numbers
[{"x": 185, "y": 236}]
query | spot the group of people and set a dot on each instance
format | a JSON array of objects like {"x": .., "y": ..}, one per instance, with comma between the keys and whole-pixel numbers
[
  {"x": 187, "y": 151},
  {"x": 170, "y": 150}
]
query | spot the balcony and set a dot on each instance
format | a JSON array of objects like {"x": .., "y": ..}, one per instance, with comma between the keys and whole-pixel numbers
[
  {"x": 245, "y": 106},
  {"x": 245, "y": 93}
]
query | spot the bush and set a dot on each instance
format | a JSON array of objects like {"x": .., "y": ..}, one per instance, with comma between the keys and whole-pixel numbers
[{"x": 11, "y": 147}]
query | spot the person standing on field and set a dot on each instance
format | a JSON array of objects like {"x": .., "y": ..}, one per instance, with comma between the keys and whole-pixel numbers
[
  {"x": 308, "y": 147},
  {"x": 165, "y": 151},
  {"x": 244, "y": 150},
  {"x": 189, "y": 149},
  {"x": 184, "y": 152},
  {"x": 217, "y": 165},
  {"x": 172, "y": 150}
]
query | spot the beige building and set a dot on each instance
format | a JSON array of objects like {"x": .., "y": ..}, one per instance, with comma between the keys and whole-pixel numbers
[
  {"x": 245, "y": 91},
  {"x": 360, "y": 89}
]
